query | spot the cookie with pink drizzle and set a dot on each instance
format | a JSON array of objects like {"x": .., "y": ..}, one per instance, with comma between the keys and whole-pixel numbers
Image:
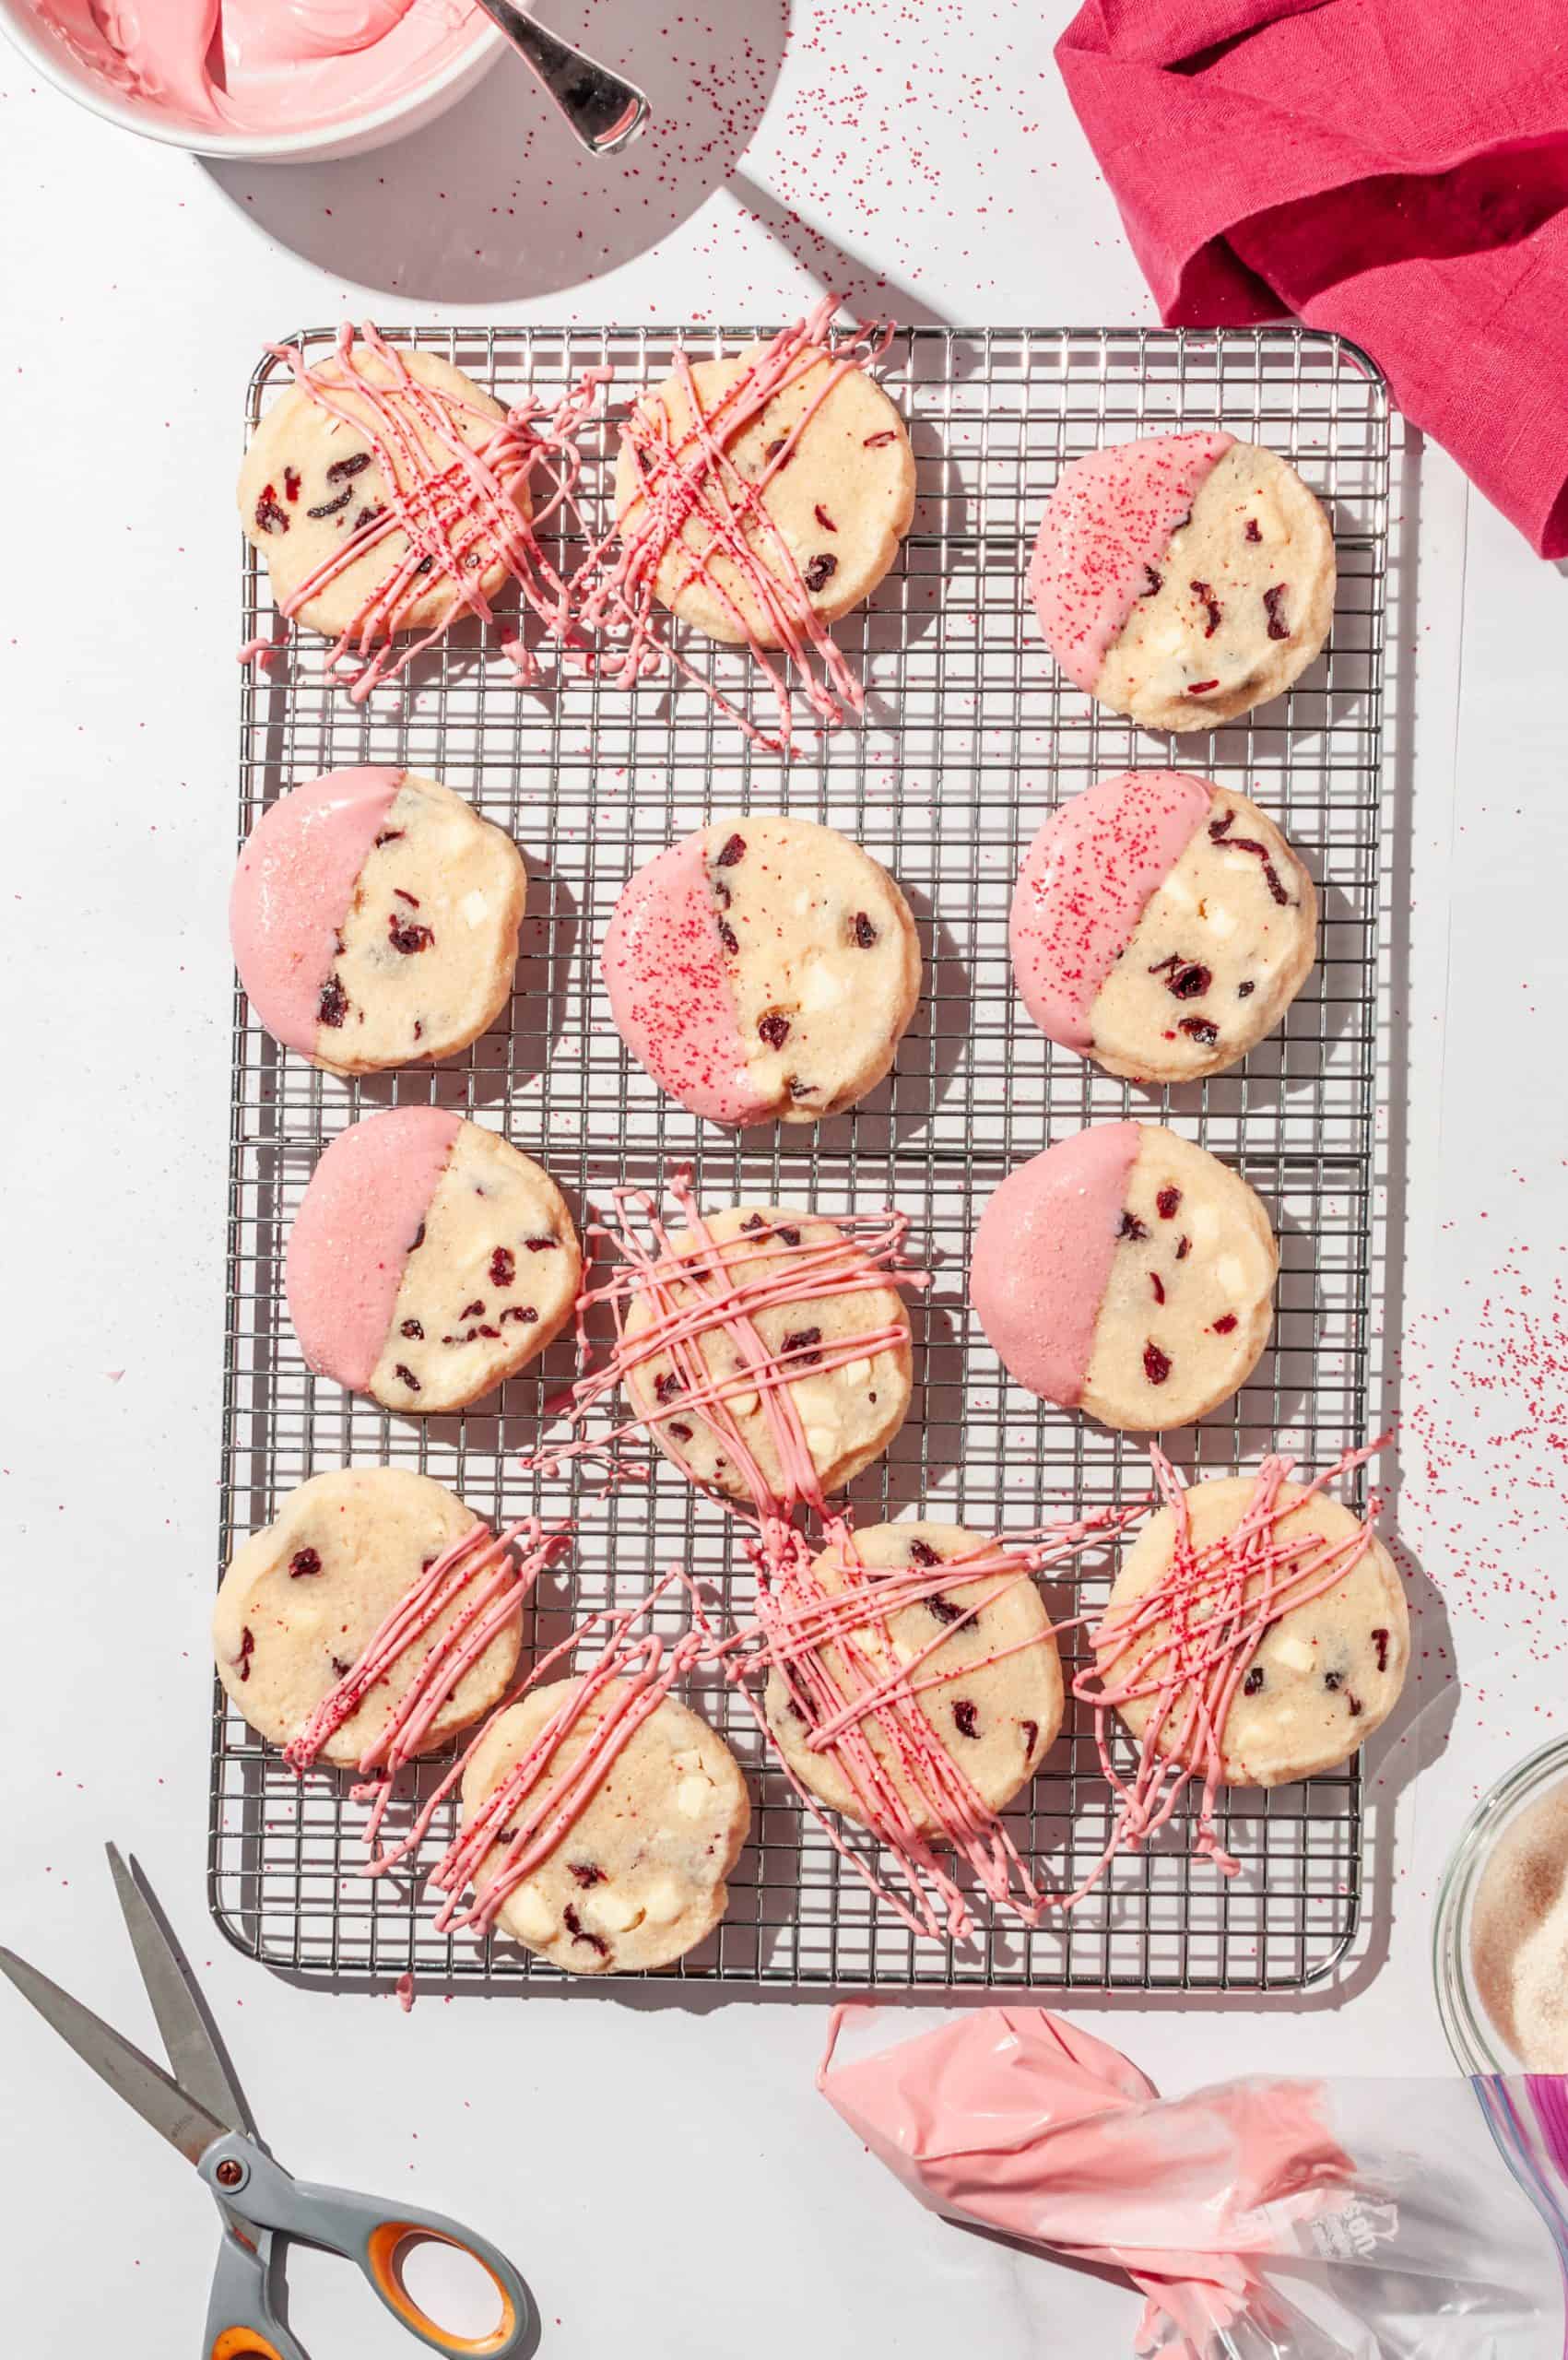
[
  {"x": 386, "y": 493},
  {"x": 768, "y": 1353},
  {"x": 1256, "y": 1630},
  {"x": 915, "y": 1682},
  {"x": 1161, "y": 925},
  {"x": 768, "y": 491},
  {"x": 1185, "y": 578},
  {"x": 631, "y": 1824},
  {"x": 303, "y": 1598},
  {"x": 374, "y": 919},
  {"x": 763, "y": 970},
  {"x": 1127, "y": 1273},
  {"x": 428, "y": 1260}
]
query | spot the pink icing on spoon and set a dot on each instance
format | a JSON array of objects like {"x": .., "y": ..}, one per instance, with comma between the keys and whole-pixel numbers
[
  {"x": 664, "y": 969},
  {"x": 1042, "y": 1257},
  {"x": 1083, "y": 885},
  {"x": 361, "y": 1217},
  {"x": 1103, "y": 537},
  {"x": 292, "y": 889}
]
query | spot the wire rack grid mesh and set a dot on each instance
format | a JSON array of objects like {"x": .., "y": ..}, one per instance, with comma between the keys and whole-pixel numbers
[{"x": 969, "y": 737}]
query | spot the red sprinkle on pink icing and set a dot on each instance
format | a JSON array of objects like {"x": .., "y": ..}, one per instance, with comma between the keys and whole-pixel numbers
[
  {"x": 294, "y": 887},
  {"x": 664, "y": 969},
  {"x": 356, "y": 1223},
  {"x": 1083, "y": 886},
  {"x": 1042, "y": 1256},
  {"x": 1110, "y": 517}
]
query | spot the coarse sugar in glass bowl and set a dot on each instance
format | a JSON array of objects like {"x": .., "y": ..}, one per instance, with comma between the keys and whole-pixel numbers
[{"x": 1500, "y": 1933}]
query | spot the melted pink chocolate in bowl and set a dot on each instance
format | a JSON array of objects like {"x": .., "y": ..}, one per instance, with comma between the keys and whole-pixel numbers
[
  {"x": 1518, "y": 1933},
  {"x": 260, "y": 77}
]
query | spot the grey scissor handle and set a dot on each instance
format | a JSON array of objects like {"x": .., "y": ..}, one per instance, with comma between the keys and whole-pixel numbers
[
  {"x": 240, "y": 2320},
  {"x": 261, "y": 2195}
]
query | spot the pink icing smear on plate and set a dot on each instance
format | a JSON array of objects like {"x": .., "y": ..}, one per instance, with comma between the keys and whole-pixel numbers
[
  {"x": 262, "y": 66},
  {"x": 663, "y": 965},
  {"x": 293, "y": 888},
  {"x": 1106, "y": 528},
  {"x": 1083, "y": 885},
  {"x": 1042, "y": 1257},
  {"x": 358, "y": 1220}
]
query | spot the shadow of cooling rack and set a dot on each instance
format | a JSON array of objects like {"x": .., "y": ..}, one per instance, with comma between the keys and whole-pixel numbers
[{"x": 970, "y": 737}]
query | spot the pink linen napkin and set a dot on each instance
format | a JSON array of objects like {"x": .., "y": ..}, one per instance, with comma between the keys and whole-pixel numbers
[{"x": 1394, "y": 169}]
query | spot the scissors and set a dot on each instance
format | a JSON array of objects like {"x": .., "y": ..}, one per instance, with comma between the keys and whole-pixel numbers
[{"x": 200, "y": 2110}]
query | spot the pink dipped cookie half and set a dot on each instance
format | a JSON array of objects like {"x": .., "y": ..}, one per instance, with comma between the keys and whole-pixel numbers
[
  {"x": 762, "y": 970},
  {"x": 1183, "y": 578},
  {"x": 374, "y": 918},
  {"x": 428, "y": 1260},
  {"x": 1127, "y": 1273},
  {"x": 1161, "y": 925}
]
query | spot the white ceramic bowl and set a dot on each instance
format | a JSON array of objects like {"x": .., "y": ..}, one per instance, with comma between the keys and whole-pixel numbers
[{"x": 349, "y": 136}]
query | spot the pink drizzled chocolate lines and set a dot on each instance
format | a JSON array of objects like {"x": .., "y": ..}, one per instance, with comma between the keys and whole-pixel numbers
[
  {"x": 461, "y": 520},
  {"x": 701, "y": 1289},
  {"x": 629, "y": 1681},
  {"x": 457, "y": 507},
  {"x": 693, "y": 482},
  {"x": 798, "y": 1620},
  {"x": 1191, "y": 1678},
  {"x": 486, "y": 1576}
]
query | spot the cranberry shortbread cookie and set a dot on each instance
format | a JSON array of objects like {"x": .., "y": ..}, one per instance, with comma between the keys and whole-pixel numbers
[
  {"x": 374, "y": 919},
  {"x": 996, "y": 1718},
  {"x": 1185, "y": 578},
  {"x": 1161, "y": 925},
  {"x": 302, "y": 1598},
  {"x": 757, "y": 512},
  {"x": 1127, "y": 1273},
  {"x": 639, "y": 1877},
  {"x": 763, "y": 970},
  {"x": 428, "y": 1260},
  {"x": 807, "y": 1390},
  {"x": 1323, "y": 1674},
  {"x": 314, "y": 500}
]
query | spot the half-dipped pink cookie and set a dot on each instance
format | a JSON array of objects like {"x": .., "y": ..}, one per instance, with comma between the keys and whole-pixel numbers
[
  {"x": 1127, "y": 1273},
  {"x": 1161, "y": 925},
  {"x": 1184, "y": 578},
  {"x": 762, "y": 970},
  {"x": 374, "y": 919},
  {"x": 428, "y": 1260}
]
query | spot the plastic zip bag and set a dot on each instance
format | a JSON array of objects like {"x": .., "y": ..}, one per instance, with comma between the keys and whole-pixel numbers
[{"x": 1265, "y": 2218}]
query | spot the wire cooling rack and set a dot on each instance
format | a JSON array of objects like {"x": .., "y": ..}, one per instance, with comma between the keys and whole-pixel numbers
[{"x": 970, "y": 734}]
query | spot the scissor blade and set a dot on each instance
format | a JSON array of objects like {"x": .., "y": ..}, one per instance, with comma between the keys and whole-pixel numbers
[
  {"x": 200, "y": 2066},
  {"x": 133, "y": 2077}
]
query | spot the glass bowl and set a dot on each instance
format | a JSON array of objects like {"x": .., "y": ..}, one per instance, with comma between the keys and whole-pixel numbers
[{"x": 1478, "y": 2046}]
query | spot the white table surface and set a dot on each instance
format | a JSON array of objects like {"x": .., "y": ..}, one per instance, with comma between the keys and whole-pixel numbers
[{"x": 665, "y": 2173}]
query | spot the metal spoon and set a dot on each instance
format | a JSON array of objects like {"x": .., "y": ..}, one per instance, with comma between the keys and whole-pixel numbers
[{"x": 602, "y": 111}]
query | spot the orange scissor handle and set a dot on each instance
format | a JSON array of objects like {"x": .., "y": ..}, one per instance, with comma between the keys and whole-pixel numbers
[
  {"x": 244, "y": 2343},
  {"x": 384, "y": 2249}
]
